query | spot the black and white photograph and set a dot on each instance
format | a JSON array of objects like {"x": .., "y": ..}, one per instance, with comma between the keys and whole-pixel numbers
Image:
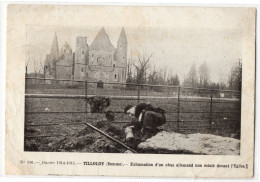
[
  {"x": 130, "y": 91},
  {"x": 125, "y": 89}
]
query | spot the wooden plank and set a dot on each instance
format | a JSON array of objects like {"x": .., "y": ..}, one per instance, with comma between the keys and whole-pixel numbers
[{"x": 109, "y": 137}]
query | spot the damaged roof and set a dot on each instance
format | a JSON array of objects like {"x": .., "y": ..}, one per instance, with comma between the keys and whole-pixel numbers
[{"x": 102, "y": 42}]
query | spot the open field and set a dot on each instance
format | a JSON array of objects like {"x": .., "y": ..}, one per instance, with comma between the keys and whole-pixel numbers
[
  {"x": 194, "y": 118},
  {"x": 122, "y": 90}
]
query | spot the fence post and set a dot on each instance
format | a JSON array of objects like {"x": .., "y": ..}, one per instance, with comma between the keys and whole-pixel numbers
[
  {"x": 44, "y": 75},
  {"x": 178, "y": 113},
  {"x": 86, "y": 98},
  {"x": 26, "y": 80},
  {"x": 138, "y": 93},
  {"x": 123, "y": 88},
  {"x": 210, "y": 111},
  {"x": 167, "y": 90},
  {"x": 35, "y": 75}
]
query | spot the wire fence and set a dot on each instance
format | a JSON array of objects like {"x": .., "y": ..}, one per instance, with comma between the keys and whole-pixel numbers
[{"x": 187, "y": 108}]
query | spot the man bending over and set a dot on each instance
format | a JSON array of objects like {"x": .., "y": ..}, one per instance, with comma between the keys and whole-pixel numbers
[{"x": 147, "y": 117}]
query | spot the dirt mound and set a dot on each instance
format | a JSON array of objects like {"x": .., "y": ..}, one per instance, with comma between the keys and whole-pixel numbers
[{"x": 89, "y": 140}]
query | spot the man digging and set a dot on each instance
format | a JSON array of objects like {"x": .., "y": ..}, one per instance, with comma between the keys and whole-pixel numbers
[{"x": 147, "y": 119}]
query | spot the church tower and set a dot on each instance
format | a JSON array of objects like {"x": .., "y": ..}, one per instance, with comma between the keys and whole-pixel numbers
[
  {"x": 50, "y": 64},
  {"x": 55, "y": 47},
  {"x": 121, "y": 54},
  {"x": 81, "y": 59}
]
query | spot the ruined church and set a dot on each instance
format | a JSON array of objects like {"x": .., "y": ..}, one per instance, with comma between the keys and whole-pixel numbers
[{"x": 100, "y": 62}]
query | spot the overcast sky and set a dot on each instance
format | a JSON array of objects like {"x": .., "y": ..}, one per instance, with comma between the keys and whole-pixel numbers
[{"x": 173, "y": 48}]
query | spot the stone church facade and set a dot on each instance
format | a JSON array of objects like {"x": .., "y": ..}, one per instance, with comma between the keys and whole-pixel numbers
[{"x": 100, "y": 62}]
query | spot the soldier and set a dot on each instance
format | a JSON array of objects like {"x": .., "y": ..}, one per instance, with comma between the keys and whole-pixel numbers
[{"x": 147, "y": 118}]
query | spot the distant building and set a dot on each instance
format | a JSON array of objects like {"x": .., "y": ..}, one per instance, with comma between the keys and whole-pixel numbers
[{"x": 100, "y": 61}]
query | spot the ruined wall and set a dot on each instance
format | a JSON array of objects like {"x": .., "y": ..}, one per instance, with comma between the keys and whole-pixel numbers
[
  {"x": 81, "y": 58},
  {"x": 101, "y": 58},
  {"x": 64, "y": 67}
]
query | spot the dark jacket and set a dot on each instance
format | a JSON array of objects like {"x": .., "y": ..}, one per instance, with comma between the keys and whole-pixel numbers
[{"x": 152, "y": 117}]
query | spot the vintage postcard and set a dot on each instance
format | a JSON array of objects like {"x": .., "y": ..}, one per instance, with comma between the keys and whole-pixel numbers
[{"x": 130, "y": 91}]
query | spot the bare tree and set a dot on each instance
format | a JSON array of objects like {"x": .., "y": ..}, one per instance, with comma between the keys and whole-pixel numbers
[
  {"x": 153, "y": 75},
  {"x": 192, "y": 76},
  {"x": 235, "y": 77},
  {"x": 41, "y": 67},
  {"x": 222, "y": 80},
  {"x": 35, "y": 67},
  {"x": 35, "y": 70},
  {"x": 173, "y": 80},
  {"x": 204, "y": 76},
  {"x": 26, "y": 66},
  {"x": 186, "y": 81},
  {"x": 165, "y": 74},
  {"x": 141, "y": 68}
]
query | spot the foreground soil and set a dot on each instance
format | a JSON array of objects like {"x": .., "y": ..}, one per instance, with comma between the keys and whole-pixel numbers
[{"x": 86, "y": 140}]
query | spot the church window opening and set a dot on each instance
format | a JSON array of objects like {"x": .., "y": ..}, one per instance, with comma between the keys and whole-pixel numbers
[
  {"x": 114, "y": 65},
  {"x": 115, "y": 77},
  {"x": 100, "y": 60},
  {"x": 82, "y": 69},
  {"x": 82, "y": 52}
]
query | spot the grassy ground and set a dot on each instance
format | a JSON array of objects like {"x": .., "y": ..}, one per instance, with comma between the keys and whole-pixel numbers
[
  {"x": 99, "y": 91},
  {"x": 220, "y": 123}
]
